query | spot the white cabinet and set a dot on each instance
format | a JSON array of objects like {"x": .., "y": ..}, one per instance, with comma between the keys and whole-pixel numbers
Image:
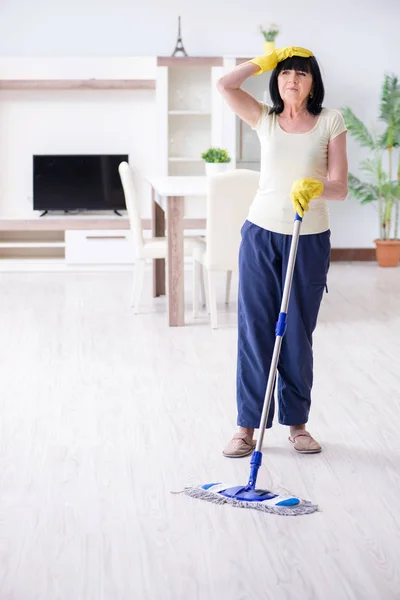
[
  {"x": 188, "y": 113},
  {"x": 99, "y": 247},
  {"x": 192, "y": 115}
]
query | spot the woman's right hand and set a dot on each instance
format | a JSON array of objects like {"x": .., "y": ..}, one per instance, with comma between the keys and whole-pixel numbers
[{"x": 267, "y": 62}]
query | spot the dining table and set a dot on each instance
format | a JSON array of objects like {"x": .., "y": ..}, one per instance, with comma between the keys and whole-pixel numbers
[{"x": 168, "y": 206}]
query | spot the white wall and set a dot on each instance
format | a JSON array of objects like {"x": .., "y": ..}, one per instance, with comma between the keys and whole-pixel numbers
[
  {"x": 62, "y": 122},
  {"x": 356, "y": 41},
  {"x": 72, "y": 122}
]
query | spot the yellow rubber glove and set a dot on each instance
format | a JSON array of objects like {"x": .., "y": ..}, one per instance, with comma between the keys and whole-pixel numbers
[
  {"x": 303, "y": 191},
  {"x": 270, "y": 61}
]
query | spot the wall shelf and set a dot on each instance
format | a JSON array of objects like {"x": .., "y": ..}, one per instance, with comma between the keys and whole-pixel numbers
[{"x": 77, "y": 84}]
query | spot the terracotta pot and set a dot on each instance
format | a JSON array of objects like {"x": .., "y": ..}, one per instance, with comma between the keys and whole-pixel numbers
[
  {"x": 387, "y": 252},
  {"x": 268, "y": 47}
]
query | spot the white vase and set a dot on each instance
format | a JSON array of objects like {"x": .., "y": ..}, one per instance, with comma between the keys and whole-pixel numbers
[{"x": 213, "y": 168}]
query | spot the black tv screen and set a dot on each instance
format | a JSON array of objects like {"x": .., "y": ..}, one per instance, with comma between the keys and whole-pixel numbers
[{"x": 78, "y": 182}]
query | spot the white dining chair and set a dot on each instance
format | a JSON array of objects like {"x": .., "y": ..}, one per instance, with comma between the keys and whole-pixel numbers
[
  {"x": 229, "y": 196},
  {"x": 146, "y": 248}
]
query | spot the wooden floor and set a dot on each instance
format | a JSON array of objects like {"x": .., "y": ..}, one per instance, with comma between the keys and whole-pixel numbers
[{"x": 104, "y": 413}]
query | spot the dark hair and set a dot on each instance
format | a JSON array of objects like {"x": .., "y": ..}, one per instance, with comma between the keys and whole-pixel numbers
[{"x": 297, "y": 63}]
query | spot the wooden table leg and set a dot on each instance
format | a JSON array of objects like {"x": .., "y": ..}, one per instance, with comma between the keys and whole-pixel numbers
[
  {"x": 158, "y": 230},
  {"x": 175, "y": 213}
]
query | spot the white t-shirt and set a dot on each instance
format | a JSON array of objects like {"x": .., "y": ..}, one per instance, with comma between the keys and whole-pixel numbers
[{"x": 286, "y": 157}]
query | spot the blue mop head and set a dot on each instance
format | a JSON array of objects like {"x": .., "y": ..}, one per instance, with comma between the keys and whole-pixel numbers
[{"x": 247, "y": 497}]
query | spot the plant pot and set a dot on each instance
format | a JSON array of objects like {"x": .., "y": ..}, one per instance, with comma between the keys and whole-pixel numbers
[
  {"x": 388, "y": 252},
  {"x": 213, "y": 168},
  {"x": 268, "y": 47}
]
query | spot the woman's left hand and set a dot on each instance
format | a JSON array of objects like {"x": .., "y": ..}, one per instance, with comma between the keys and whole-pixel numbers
[{"x": 303, "y": 191}]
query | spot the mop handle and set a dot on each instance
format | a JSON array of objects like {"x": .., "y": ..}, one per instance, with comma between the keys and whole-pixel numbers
[{"x": 280, "y": 329}]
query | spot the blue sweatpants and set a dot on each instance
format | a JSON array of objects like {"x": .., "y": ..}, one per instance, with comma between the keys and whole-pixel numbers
[{"x": 263, "y": 260}]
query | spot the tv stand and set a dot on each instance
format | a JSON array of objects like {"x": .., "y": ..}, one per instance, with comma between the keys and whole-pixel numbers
[
  {"x": 45, "y": 212},
  {"x": 59, "y": 242}
]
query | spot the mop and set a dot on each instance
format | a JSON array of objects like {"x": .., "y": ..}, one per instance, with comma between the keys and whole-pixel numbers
[{"x": 249, "y": 496}]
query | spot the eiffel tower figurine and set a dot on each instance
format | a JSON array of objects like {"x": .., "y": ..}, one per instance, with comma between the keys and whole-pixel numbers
[{"x": 179, "y": 49}]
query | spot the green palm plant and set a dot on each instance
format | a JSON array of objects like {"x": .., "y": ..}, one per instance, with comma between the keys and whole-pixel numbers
[
  {"x": 390, "y": 114},
  {"x": 381, "y": 187}
]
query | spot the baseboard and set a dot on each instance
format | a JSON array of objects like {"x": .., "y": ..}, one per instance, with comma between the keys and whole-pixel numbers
[
  {"x": 352, "y": 254},
  {"x": 54, "y": 264}
]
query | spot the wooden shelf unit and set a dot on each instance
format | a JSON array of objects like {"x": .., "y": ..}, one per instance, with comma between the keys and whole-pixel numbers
[
  {"x": 53, "y": 239},
  {"x": 46, "y": 237}
]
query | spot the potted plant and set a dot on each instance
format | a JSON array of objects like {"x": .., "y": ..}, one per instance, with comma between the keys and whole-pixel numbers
[
  {"x": 382, "y": 186},
  {"x": 269, "y": 34},
  {"x": 216, "y": 159}
]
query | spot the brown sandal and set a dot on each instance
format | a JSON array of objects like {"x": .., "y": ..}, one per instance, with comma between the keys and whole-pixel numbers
[
  {"x": 304, "y": 443},
  {"x": 240, "y": 445}
]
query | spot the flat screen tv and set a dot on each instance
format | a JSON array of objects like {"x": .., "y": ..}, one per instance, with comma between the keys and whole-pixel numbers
[{"x": 78, "y": 182}]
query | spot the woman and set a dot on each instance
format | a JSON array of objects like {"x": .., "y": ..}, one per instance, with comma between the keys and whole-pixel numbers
[{"x": 303, "y": 164}]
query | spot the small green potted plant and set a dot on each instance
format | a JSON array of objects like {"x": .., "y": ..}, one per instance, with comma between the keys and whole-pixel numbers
[
  {"x": 381, "y": 186},
  {"x": 269, "y": 34},
  {"x": 217, "y": 160}
]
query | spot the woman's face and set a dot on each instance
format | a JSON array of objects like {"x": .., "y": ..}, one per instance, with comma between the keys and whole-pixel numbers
[{"x": 294, "y": 86}]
